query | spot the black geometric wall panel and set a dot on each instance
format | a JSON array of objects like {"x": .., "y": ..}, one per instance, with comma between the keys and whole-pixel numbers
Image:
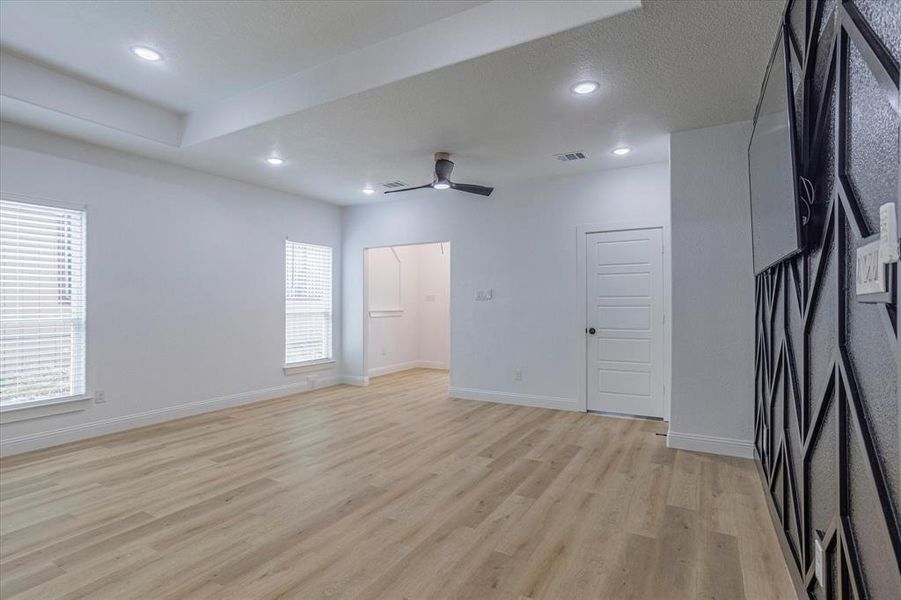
[{"x": 827, "y": 422}]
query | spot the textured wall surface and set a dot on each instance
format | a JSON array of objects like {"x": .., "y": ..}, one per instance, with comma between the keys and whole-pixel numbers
[{"x": 827, "y": 404}]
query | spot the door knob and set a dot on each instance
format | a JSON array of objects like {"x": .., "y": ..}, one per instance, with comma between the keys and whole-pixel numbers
[{"x": 591, "y": 331}]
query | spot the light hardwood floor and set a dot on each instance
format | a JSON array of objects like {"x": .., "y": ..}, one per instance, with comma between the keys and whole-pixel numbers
[{"x": 391, "y": 491}]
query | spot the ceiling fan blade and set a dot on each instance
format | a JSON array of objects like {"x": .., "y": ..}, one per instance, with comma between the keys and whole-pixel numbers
[
  {"x": 472, "y": 189},
  {"x": 428, "y": 185}
]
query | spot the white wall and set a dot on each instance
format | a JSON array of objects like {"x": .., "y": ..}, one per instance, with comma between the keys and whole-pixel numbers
[
  {"x": 434, "y": 305},
  {"x": 713, "y": 291},
  {"x": 520, "y": 242},
  {"x": 185, "y": 283},
  {"x": 414, "y": 280},
  {"x": 392, "y": 317}
]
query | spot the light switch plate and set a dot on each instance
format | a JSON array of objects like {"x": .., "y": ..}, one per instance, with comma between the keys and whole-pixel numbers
[
  {"x": 888, "y": 234},
  {"x": 869, "y": 273},
  {"x": 819, "y": 562}
]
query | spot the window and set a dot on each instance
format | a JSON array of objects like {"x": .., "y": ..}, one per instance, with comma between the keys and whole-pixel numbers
[
  {"x": 308, "y": 303},
  {"x": 42, "y": 302}
]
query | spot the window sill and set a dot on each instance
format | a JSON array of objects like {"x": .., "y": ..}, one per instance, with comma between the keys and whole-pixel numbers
[
  {"x": 35, "y": 409},
  {"x": 307, "y": 367}
]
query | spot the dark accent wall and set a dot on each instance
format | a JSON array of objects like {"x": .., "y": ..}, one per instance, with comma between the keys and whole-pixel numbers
[{"x": 827, "y": 427}]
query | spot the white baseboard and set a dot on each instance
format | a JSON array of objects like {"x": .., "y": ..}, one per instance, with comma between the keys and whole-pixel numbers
[
  {"x": 355, "y": 380},
  {"x": 404, "y": 366},
  {"x": 376, "y": 371},
  {"x": 431, "y": 364},
  {"x": 514, "y": 398},
  {"x": 81, "y": 431},
  {"x": 712, "y": 444}
]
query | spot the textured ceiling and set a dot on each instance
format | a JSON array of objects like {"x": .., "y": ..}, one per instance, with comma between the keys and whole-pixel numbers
[
  {"x": 665, "y": 67},
  {"x": 212, "y": 49}
]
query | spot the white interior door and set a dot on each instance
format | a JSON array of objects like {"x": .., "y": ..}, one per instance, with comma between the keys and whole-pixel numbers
[{"x": 624, "y": 327}]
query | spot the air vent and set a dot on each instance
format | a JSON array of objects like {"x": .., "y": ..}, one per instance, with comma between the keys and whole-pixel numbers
[
  {"x": 394, "y": 184},
  {"x": 568, "y": 156}
]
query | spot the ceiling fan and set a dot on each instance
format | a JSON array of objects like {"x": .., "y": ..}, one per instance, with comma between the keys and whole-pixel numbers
[{"x": 443, "y": 169}]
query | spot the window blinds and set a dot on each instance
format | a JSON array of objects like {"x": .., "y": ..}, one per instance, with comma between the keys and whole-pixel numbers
[
  {"x": 308, "y": 302},
  {"x": 42, "y": 302}
]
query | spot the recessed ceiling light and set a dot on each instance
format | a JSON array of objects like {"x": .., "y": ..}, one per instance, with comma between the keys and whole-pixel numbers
[
  {"x": 368, "y": 190},
  {"x": 583, "y": 88},
  {"x": 146, "y": 53},
  {"x": 275, "y": 161},
  {"x": 622, "y": 151}
]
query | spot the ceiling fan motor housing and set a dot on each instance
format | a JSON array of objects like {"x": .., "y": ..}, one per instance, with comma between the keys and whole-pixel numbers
[{"x": 443, "y": 168}]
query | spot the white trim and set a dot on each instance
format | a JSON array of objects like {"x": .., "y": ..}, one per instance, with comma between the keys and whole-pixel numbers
[
  {"x": 432, "y": 364},
  {"x": 355, "y": 380},
  {"x": 514, "y": 398},
  {"x": 625, "y": 416},
  {"x": 33, "y": 409},
  {"x": 309, "y": 366},
  {"x": 73, "y": 433},
  {"x": 582, "y": 303},
  {"x": 405, "y": 366},
  {"x": 395, "y": 368},
  {"x": 711, "y": 444},
  {"x": 382, "y": 313}
]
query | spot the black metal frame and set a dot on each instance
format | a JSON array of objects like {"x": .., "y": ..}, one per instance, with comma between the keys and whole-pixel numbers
[{"x": 792, "y": 288}]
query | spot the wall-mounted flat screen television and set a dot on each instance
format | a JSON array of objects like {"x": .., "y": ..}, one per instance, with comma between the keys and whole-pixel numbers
[{"x": 773, "y": 173}]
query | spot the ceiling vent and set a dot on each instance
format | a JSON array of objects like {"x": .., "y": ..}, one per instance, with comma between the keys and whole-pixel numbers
[
  {"x": 394, "y": 184},
  {"x": 568, "y": 156}
]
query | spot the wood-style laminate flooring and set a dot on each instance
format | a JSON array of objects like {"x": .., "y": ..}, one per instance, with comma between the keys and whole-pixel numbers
[{"x": 390, "y": 491}]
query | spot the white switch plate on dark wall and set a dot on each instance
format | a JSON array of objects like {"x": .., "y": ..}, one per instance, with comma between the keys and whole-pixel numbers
[{"x": 819, "y": 562}]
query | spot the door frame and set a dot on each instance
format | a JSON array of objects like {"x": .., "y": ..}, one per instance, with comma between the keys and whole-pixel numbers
[
  {"x": 450, "y": 301},
  {"x": 582, "y": 232}
]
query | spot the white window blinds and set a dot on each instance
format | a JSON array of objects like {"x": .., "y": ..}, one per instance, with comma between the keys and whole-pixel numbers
[
  {"x": 42, "y": 302},
  {"x": 308, "y": 302}
]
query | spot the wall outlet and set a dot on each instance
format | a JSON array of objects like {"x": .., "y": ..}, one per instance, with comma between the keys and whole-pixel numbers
[
  {"x": 517, "y": 375},
  {"x": 484, "y": 295},
  {"x": 99, "y": 397},
  {"x": 819, "y": 561}
]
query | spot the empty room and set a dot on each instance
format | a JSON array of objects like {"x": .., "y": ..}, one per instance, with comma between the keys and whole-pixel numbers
[{"x": 473, "y": 300}]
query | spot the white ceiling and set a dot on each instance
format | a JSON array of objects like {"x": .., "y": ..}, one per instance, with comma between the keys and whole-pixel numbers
[
  {"x": 664, "y": 67},
  {"x": 211, "y": 49}
]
